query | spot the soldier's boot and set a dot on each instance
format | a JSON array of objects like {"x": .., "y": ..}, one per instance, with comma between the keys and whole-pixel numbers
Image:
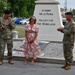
[
  {"x": 64, "y": 66},
  {"x": 10, "y": 62},
  {"x": 67, "y": 67},
  {"x": 1, "y": 62}
]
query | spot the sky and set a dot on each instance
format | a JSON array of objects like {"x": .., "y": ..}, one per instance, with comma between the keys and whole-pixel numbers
[{"x": 70, "y": 3}]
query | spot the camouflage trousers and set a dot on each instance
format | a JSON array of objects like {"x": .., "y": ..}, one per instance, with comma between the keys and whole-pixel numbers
[
  {"x": 9, "y": 48},
  {"x": 68, "y": 53}
]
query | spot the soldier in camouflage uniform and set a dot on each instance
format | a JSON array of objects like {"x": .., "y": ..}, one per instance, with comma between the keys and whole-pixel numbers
[
  {"x": 6, "y": 35},
  {"x": 68, "y": 40}
]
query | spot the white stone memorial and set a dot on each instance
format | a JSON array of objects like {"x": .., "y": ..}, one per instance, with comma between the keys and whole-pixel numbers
[{"x": 48, "y": 15}]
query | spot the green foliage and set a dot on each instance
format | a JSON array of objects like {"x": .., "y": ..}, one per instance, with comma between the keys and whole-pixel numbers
[
  {"x": 22, "y": 8},
  {"x": 19, "y": 8},
  {"x": 73, "y": 11},
  {"x": 3, "y": 5}
]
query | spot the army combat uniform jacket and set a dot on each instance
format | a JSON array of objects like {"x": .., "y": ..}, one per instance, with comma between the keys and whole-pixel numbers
[
  {"x": 68, "y": 41},
  {"x": 68, "y": 31},
  {"x": 6, "y": 32}
]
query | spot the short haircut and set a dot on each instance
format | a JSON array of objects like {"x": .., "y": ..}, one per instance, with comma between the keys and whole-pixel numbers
[
  {"x": 69, "y": 13},
  {"x": 7, "y": 12}
]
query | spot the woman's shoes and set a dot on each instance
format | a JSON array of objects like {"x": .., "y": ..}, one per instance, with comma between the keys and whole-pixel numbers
[
  {"x": 32, "y": 62},
  {"x": 25, "y": 62}
]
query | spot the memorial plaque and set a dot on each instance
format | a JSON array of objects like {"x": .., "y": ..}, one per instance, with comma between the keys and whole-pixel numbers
[{"x": 48, "y": 15}]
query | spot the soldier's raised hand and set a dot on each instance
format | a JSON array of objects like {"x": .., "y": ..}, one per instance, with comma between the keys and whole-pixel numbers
[
  {"x": 9, "y": 20},
  {"x": 60, "y": 28}
]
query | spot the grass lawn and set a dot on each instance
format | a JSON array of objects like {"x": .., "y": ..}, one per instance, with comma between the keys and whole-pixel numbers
[{"x": 21, "y": 32}]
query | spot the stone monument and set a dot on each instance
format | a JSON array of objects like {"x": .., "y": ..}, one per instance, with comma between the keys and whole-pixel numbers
[
  {"x": 15, "y": 34},
  {"x": 48, "y": 15}
]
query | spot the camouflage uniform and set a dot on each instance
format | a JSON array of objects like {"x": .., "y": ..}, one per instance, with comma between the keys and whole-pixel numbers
[
  {"x": 6, "y": 36},
  {"x": 68, "y": 41}
]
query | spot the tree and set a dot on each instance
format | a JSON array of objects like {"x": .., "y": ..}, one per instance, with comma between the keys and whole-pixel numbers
[
  {"x": 73, "y": 11},
  {"x": 3, "y": 5},
  {"x": 22, "y": 8},
  {"x": 30, "y": 4},
  {"x": 19, "y": 8}
]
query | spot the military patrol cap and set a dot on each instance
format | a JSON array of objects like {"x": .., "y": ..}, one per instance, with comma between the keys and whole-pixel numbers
[
  {"x": 69, "y": 13},
  {"x": 7, "y": 12}
]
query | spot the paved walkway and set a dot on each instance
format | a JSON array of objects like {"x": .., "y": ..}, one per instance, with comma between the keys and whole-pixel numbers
[
  {"x": 51, "y": 51},
  {"x": 18, "y": 68}
]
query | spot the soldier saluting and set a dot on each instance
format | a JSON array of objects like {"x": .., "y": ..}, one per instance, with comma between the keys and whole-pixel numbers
[{"x": 6, "y": 35}]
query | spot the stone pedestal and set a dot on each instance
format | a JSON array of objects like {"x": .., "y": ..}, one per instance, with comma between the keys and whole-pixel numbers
[
  {"x": 48, "y": 15},
  {"x": 15, "y": 34}
]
